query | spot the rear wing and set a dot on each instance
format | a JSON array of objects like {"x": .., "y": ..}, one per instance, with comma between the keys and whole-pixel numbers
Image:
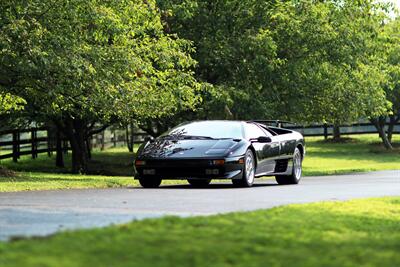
[{"x": 277, "y": 123}]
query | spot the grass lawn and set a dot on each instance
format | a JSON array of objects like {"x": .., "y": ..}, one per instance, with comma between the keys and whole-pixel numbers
[
  {"x": 114, "y": 167},
  {"x": 361, "y": 153},
  {"x": 111, "y": 168},
  {"x": 353, "y": 233}
]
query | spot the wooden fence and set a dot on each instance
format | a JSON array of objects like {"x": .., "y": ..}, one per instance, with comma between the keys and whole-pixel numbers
[
  {"x": 327, "y": 130},
  {"x": 35, "y": 141},
  {"x": 40, "y": 140}
]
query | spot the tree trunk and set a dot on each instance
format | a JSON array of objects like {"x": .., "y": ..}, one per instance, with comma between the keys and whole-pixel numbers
[
  {"x": 392, "y": 123},
  {"x": 336, "y": 132},
  {"x": 88, "y": 147},
  {"x": 75, "y": 130},
  {"x": 59, "y": 151},
  {"x": 380, "y": 126},
  {"x": 102, "y": 140},
  {"x": 130, "y": 138}
]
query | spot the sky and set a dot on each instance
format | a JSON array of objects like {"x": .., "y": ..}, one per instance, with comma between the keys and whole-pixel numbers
[{"x": 396, "y": 2}]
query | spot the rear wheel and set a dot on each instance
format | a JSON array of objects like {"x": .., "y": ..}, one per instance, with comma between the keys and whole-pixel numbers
[
  {"x": 295, "y": 177},
  {"x": 199, "y": 182},
  {"x": 150, "y": 182},
  {"x": 247, "y": 179}
]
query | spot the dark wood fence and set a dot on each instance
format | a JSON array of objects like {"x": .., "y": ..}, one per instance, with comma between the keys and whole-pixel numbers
[
  {"x": 35, "y": 141},
  {"x": 40, "y": 140},
  {"x": 327, "y": 130}
]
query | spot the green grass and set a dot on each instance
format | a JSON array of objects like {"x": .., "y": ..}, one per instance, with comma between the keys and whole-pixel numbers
[
  {"x": 46, "y": 181},
  {"x": 113, "y": 167},
  {"x": 361, "y": 153},
  {"x": 353, "y": 233}
]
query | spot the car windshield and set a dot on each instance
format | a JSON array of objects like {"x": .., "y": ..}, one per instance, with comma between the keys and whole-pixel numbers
[{"x": 207, "y": 130}]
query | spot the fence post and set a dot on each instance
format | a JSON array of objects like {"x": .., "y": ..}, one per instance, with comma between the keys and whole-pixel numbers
[
  {"x": 15, "y": 145},
  {"x": 115, "y": 138},
  {"x": 102, "y": 140},
  {"x": 49, "y": 145},
  {"x": 33, "y": 143},
  {"x": 65, "y": 146},
  {"x": 325, "y": 131}
]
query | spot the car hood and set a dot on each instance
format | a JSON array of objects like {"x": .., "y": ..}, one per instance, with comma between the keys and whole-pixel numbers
[{"x": 166, "y": 148}]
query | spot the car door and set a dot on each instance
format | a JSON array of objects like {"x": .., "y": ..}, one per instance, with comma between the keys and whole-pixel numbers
[
  {"x": 266, "y": 153},
  {"x": 288, "y": 144}
]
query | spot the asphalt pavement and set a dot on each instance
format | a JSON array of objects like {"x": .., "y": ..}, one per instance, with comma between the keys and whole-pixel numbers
[{"x": 38, "y": 213}]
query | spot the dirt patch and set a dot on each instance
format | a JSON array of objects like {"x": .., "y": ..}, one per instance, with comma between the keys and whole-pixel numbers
[
  {"x": 343, "y": 140},
  {"x": 6, "y": 172}
]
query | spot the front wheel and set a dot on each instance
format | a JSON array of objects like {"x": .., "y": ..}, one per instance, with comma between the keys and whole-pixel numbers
[
  {"x": 199, "y": 182},
  {"x": 247, "y": 179},
  {"x": 152, "y": 182},
  {"x": 295, "y": 177}
]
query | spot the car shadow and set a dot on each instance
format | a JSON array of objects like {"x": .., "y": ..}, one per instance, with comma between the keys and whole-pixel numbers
[{"x": 211, "y": 186}]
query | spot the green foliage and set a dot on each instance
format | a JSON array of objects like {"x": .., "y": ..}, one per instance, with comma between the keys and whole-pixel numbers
[
  {"x": 79, "y": 63},
  {"x": 9, "y": 102},
  {"x": 301, "y": 60},
  {"x": 91, "y": 59},
  {"x": 390, "y": 52},
  {"x": 351, "y": 233}
]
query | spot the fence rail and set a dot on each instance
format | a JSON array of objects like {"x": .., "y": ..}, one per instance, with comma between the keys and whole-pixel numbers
[
  {"x": 40, "y": 140},
  {"x": 327, "y": 130},
  {"x": 36, "y": 141}
]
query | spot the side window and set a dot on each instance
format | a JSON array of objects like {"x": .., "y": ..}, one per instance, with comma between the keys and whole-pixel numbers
[
  {"x": 269, "y": 131},
  {"x": 253, "y": 131}
]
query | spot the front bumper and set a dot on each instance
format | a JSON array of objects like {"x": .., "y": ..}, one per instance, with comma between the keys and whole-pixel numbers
[{"x": 190, "y": 168}]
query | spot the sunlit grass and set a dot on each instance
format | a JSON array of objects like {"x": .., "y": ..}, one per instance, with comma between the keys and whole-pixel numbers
[
  {"x": 359, "y": 154},
  {"x": 45, "y": 181},
  {"x": 353, "y": 233}
]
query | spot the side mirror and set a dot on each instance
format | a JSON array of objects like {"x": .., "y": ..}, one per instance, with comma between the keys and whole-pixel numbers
[
  {"x": 264, "y": 139},
  {"x": 149, "y": 139}
]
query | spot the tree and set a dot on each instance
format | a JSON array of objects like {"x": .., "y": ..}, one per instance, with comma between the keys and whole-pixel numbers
[
  {"x": 294, "y": 60},
  {"x": 83, "y": 64},
  {"x": 389, "y": 51},
  {"x": 393, "y": 59},
  {"x": 235, "y": 51}
]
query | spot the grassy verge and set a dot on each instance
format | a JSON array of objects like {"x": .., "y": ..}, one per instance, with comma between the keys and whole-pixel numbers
[
  {"x": 46, "y": 181},
  {"x": 353, "y": 233},
  {"x": 360, "y": 153},
  {"x": 113, "y": 167}
]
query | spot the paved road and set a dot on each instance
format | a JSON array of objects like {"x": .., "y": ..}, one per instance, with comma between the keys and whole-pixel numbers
[{"x": 45, "y": 212}]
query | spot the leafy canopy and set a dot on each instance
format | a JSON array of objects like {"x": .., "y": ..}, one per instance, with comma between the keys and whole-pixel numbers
[
  {"x": 93, "y": 60},
  {"x": 309, "y": 61}
]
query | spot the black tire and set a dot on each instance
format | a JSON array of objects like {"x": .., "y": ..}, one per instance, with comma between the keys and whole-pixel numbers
[
  {"x": 199, "y": 182},
  {"x": 295, "y": 177},
  {"x": 247, "y": 179},
  {"x": 150, "y": 182}
]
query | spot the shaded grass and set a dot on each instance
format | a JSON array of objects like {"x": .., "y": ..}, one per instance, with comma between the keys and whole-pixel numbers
[
  {"x": 111, "y": 168},
  {"x": 353, "y": 233},
  {"x": 112, "y": 162}
]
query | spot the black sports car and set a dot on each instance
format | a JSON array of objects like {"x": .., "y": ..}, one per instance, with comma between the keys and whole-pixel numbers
[{"x": 238, "y": 150}]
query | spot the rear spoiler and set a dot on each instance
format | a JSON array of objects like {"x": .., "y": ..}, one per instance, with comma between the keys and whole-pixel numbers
[{"x": 278, "y": 123}]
